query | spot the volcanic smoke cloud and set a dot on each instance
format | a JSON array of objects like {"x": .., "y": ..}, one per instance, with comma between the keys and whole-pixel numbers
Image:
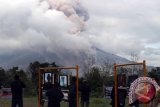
[
  {"x": 35, "y": 29},
  {"x": 73, "y": 10}
]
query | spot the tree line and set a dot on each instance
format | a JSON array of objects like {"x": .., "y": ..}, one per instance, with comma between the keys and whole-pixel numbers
[
  {"x": 29, "y": 76},
  {"x": 97, "y": 77},
  {"x": 94, "y": 76}
]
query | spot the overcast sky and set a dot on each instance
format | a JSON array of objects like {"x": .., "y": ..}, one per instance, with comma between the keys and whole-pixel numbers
[
  {"x": 127, "y": 26},
  {"x": 121, "y": 27}
]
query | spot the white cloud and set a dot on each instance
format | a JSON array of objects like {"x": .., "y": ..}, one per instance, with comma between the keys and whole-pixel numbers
[
  {"x": 123, "y": 27},
  {"x": 32, "y": 25},
  {"x": 120, "y": 27}
]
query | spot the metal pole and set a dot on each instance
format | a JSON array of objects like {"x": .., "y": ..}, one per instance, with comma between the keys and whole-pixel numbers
[
  {"x": 76, "y": 85},
  {"x": 115, "y": 85}
]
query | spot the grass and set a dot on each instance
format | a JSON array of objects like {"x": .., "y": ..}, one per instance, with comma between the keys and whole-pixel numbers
[{"x": 32, "y": 102}]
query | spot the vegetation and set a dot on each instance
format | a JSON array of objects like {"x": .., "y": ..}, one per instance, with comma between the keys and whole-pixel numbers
[
  {"x": 97, "y": 78},
  {"x": 32, "y": 102},
  {"x": 154, "y": 74},
  {"x": 30, "y": 76}
]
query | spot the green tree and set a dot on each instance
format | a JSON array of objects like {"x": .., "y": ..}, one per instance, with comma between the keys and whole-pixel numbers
[
  {"x": 33, "y": 70},
  {"x": 2, "y": 76},
  {"x": 154, "y": 74},
  {"x": 95, "y": 80}
]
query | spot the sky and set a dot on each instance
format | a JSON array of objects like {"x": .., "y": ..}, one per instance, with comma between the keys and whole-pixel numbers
[{"x": 120, "y": 27}]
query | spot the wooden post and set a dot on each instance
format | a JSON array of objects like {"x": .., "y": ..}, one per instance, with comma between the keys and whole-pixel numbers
[
  {"x": 144, "y": 68},
  {"x": 39, "y": 87},
  {"x": 77, "y": 86},
  {"x": 115, "y": 85},
  {"x": 145, "y": 74}
]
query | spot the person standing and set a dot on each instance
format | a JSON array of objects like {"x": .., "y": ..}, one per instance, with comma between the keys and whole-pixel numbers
[
  {"x": 113, "y": 96},
  {"x": 135, "y": 104},
  {"x": 47, "y": 84},
  {"x": 54, "y": 95},
  {"x": 85, "y": 93},
  {"x": 72, "y": 93},
  {"x": 17, "y": 92},
  {"x": 0, "y": 90},
  {"x": 122, "y": 93},
  {"x": 0, "y": 85},
  {"x": 121, "y": 96}
]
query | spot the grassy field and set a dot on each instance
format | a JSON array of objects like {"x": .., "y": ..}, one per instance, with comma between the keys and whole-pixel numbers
[{"x": 32, "y": 102}]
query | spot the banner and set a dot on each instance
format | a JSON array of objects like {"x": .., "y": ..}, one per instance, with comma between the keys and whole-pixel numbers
[{"x": 143, "y": 89}]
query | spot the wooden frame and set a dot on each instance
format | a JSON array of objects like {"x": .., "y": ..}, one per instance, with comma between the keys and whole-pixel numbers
[
  {"x": 115, "y": 76},
  {"x": 41, "y": 70}
]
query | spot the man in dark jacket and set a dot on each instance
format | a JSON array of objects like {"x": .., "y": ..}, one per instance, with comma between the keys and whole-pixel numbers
[
  {"x": 17, "y": 92},
  {"x": 0, "y": 90},
  {"x": 113, "y": 97},
  {"x": 54, "y": 95},
  {"x": 85, "y": 90},
  {"x": 122, "y": 93},
  {"x": 121, "y": 96},
  {"x": 135, "y": 104},
  {"x": 0, "y": 85},
  {"x": 72, "y": 93}
]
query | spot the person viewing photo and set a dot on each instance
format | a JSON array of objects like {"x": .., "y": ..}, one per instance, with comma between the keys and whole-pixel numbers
[{"x": 17, "y": 92}]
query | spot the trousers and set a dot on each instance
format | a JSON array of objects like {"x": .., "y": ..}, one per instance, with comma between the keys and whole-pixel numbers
[{"x": 16, "y": 102}]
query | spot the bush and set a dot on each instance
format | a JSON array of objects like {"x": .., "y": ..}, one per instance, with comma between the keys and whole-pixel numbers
[{"x": 98, "y": 92}]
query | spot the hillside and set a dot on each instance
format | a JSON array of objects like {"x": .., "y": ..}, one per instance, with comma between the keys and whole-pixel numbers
[{"x": 83, "y": 59}]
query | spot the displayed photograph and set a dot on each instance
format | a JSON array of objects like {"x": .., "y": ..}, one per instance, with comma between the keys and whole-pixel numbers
[
  {"x": 47, "y": 77},
  {"x": 63, "y": 80}
]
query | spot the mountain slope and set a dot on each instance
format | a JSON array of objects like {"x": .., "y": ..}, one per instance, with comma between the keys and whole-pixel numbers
[
  {"x": 104, "y": 57},
  {"x": 83, "y": 59}
]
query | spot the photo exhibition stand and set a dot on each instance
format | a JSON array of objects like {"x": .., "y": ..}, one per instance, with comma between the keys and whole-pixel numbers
[
  {"x": 115, "y": 76},
  {"x": 42, "y": 70}
]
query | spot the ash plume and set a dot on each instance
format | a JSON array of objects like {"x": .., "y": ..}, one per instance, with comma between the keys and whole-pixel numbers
[
  {"x": 73, "y": 10},
  {"x": 38, "y": 30}
]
